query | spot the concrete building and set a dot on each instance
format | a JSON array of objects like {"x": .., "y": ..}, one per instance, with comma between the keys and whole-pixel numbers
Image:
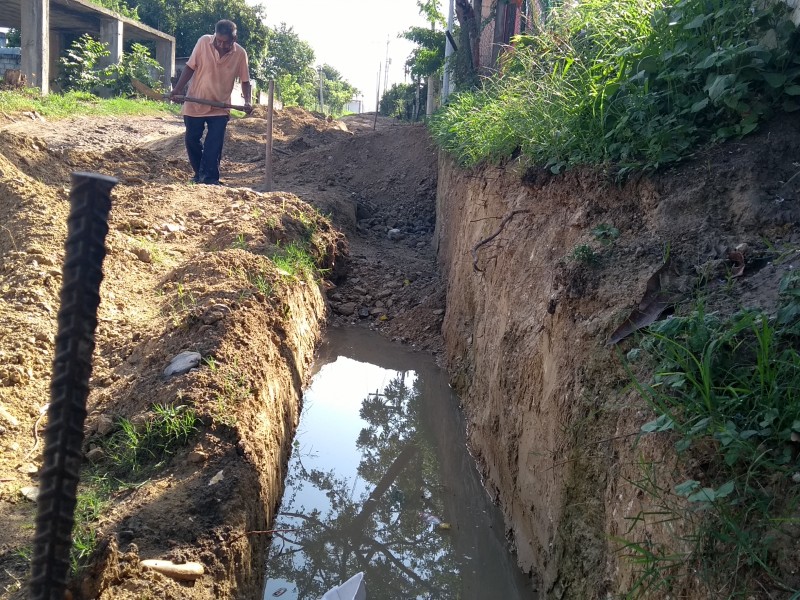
[{"x": 44, "y": 24}]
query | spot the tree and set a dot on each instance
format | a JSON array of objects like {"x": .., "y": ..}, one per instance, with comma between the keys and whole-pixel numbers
[
  {"x": 427, "y": 59},
  {"x": 187, "y": 20},
  {"x": 336, "y": 91},
  {"x": 398, "y": 101},
  {"x": 288, "y": 53}
]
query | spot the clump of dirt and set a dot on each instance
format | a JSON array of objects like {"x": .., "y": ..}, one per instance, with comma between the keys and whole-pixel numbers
[{"x": 188, "y": 269}]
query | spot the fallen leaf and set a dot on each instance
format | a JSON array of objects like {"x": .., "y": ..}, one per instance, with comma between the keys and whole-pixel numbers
[
  {"x": 737, "y": 258},
  {"x": 654, "y": 302}
]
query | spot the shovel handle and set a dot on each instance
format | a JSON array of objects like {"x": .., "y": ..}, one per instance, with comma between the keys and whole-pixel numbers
[{"x": 208, "y": 102}]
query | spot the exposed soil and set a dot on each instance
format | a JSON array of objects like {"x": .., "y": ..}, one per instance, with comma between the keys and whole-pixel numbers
[
  {"x": 187, "y": 270},
  {"x": 554, "y": 419}
]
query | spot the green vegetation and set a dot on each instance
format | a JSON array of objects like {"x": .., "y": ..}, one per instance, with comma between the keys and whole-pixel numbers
[
  {"x": 294, "y": 261},
  {"x": 80, "y": 71},
  {"x": 118, "y": 6},
  {"x": 727, "y": 391},
  {"x": 132, "y": 447},
  {"x": 59, "y": 106},
  {"x": 629, "y": 83},
  {"x": 129, "y": 453},
  {"x": 232, "y": 390}
]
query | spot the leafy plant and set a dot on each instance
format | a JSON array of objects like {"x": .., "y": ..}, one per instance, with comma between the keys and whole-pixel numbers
[
  {"x": 726, "y": 390},
  {"x": 585, "y": 254},
  {"x": 79, "y": 70},
  {"x": 136, "y": 64}
]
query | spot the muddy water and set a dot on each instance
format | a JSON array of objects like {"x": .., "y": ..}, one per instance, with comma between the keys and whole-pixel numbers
[{"x": 380, "y": 481}]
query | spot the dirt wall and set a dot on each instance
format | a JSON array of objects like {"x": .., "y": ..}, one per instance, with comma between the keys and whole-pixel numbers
[{"x": 553, "y": 423}]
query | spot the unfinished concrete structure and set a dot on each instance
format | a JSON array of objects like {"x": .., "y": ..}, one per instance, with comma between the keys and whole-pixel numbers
[{"x": 44, "y": 23}]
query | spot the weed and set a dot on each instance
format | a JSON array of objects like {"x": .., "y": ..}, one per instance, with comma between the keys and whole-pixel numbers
[
  {"x": 240, "y": 242},
  {"x": 605, "y": 234},
  {"x": 153, "y": 250},
  {"x": 294, "y": 261},
  {"x": 131, "y": 447},
  {"x": 637, "y": 83},
  {"x": 232, "y": 391},
  {"x": 186, "y": 299},
  {"x": 586, "y": 255},
  {"x": 726, "y": 390},
  {"x": 261, "y": 283}
]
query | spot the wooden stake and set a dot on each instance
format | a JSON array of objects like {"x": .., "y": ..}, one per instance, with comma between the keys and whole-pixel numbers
[{"x": 268, "y": 167}]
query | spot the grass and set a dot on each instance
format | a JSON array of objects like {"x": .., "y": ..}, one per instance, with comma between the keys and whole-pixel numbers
[
  {"x": 294, "y": 261},
  {"x": 232, "y": 390},
  {"x": 59, "y": 106},
  {"x": 726, "y": 391},
  {"x": 627, "y": 84},
  {"x": 132, "y": 447}
]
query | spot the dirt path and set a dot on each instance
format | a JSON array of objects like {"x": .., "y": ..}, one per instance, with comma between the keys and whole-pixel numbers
[{"x": 186, "y": 270}]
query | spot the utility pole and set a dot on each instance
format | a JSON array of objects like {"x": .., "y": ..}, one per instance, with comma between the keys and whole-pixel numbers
[
  {"x": 321, "y": 103},
  {"x": 448, "y": 53},
  {"x": 377, "y": 98},
  {"x": 386, "y": 67}
]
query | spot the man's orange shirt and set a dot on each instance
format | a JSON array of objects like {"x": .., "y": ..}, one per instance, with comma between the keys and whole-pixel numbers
[{"x": 214, "y": 76}]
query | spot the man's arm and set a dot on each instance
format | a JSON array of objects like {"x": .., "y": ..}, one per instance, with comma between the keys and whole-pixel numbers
[{"x": 186, "y": 75}]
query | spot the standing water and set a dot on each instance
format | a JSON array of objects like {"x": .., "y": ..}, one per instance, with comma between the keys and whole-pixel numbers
[{"x": 381, "y": 482}]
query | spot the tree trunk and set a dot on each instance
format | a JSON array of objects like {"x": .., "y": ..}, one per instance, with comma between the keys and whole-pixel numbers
[
  {"x": 429, "y": 99},
  {"x": 469, "y": 37}
]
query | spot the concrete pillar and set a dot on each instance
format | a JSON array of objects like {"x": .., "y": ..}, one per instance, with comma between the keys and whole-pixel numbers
[
  {"x": 35, "y": 30},
  {"x": 165, "y": 56},
  {"x": 56, "y": 47},
  {"x": 111, "y": 36}
]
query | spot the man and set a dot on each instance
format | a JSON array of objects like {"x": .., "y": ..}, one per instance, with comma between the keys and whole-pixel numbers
[{"x": 216, "y": 61}]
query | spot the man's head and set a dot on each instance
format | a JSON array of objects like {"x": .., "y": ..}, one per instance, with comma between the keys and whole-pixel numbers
[{"x": 224, "y": 36}]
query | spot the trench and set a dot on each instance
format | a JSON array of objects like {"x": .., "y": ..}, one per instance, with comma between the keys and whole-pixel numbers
[{"x": 381, "y": 482}]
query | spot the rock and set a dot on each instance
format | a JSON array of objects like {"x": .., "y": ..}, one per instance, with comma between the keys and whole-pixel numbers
[
  {"x": 186, "y": 571},
  {"x": 8, "y": 417},
  {"x": 377, "y": 312},
  {"x": 197, "y": 456},
  {"x": 28, "y": 469},
  {"x": 143, "y": 254},
  {"x": 363, "y": 313},
  {"x": 346, "y": 309},
  {"x": 183, "y": 363},
  {"x": 395, "y": 235},
  {"x": 95, "y": 455},
  {"x": 438, "y": 311},
  {"x": 30, "y": 492},
  {"x": 384, "y": 293},
  {"x": 359, "y": 290},
  {"x": 105, "y": 425},
  {"x": 217, "y": 478}
]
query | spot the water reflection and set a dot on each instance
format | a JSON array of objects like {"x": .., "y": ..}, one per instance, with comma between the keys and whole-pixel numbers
[{"x": 380, "y": 482}]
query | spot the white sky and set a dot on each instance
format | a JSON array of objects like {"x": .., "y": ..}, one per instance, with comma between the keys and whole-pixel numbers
[{"x": 351, "y": 36}]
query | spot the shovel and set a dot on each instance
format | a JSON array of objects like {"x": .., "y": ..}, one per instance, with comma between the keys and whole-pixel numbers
[{"x": 154, "y": 95}]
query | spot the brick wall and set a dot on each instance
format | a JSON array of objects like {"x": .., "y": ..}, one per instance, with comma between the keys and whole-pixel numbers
[{"x": 10, "y": 58}]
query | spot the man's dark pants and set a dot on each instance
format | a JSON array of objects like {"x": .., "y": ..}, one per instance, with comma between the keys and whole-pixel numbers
[{"x": 205, "y": 156}]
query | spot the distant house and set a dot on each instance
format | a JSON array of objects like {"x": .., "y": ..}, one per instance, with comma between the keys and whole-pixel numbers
[{"x": 356, "y": 105}]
